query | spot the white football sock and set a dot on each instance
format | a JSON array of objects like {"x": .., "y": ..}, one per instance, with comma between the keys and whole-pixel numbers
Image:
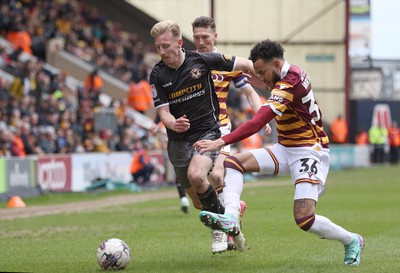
[
  {"x": 326, "y": 229},
  {"x": 232, "y": 191}
]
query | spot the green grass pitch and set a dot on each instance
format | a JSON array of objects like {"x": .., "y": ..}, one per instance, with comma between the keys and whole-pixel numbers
[{"x": 163, "y": 239}]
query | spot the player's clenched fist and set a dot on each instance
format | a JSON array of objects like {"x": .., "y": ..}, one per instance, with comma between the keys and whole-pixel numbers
[{"x": 181, "y": 124}]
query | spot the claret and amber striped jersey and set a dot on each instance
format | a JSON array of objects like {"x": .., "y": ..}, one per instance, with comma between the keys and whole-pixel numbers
[
  {"x": 298, "y": 117},
  {"x": 221, "y": 80},
  {"x": 292, "y": 104}
]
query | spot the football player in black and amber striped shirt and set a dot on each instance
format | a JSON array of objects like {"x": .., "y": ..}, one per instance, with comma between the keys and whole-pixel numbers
[{"x": 205, "y": 37}]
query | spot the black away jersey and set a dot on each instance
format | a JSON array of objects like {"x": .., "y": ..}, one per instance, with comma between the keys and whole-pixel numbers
[{"x": 189, "y": 90}]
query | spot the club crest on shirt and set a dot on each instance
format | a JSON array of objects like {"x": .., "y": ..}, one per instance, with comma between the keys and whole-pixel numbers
[
  {"x": 227, "y": 57},
  {"x": 195, "y": 73},
  {"x": 153, "y": 91}
]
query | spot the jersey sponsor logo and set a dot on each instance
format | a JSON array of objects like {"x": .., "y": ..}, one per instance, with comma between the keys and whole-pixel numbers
[
  {"x": 283, "y": 94},
  {"x": 278, "y": 93},
  {"x": 167, "y": 84},
  {"x": 153, "y": 90},
  {"x": 217, "y": 78},
  {"x": 185, "y": 91},
  {"x": 276, "y": 98},
  {"x": 188, "y": 97},
  {"x": 195, "y": 73}
]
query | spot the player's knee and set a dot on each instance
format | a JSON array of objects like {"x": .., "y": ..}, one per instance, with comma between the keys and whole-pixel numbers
[
  {"x": 195, "y": 178},
  {"x": 306, "y": 222},
  {"x": 234, "y": 163}
]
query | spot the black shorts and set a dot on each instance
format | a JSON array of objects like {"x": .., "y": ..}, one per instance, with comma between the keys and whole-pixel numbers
[{"x": 181, "y": 152}]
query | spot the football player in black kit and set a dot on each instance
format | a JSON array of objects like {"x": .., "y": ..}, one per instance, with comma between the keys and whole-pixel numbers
[{"x": 184, "y": 97}]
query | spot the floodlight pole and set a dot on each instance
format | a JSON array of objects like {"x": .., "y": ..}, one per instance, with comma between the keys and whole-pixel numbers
[{"x": 347, "y": 75}]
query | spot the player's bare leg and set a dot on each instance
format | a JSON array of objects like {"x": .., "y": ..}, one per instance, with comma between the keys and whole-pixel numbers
[{"x": 197, "y": 174}]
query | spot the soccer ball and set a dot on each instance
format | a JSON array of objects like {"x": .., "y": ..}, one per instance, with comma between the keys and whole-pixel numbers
[{"x": 113, "y": 254}]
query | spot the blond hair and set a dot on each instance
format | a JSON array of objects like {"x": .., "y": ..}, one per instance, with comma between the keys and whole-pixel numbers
[{"x": 164, "y": 27}]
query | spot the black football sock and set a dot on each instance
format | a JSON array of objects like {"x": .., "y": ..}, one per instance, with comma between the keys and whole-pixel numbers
[
  {"x": 181, "y": 191},
  {"x": 209, "y": 200}
]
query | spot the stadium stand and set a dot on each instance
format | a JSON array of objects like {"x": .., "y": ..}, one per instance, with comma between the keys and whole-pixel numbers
[{"x": 46, "y": 109}]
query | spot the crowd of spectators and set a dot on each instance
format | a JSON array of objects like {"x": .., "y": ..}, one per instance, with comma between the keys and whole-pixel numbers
[
  {"x": 86, "y": 32},
  {"x": 39, "y": 112}
]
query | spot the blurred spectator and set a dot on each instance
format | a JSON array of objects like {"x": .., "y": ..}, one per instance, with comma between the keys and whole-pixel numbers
[
  {"x": 14, "y": 117},
  {"x": 5, "y": 145},
  {"x": 17, "y": 145},
  {"x": 119, "y": 108},
  {"x": 25, "y": 132},
  {"x": 71, "y": 139},
  {"x": 378, "y": 137},
  {"x": 106, "y": 135},
  {"x": 61, "y": 141},
  {"x": 141, "y": 167},
  {"x": 47, "y": 139},
  {"x": 100, "y": 145},
  {"x": 362, "y": 137},
  {"x": 65, "y": 120},
  {"x": 4, "y": 94},
  {"x": 5, "y": 19},
  {"x": 39, "y": 41},
  {"x": 63, "y": 24},
  {"x": 20, "y": 38},
  {"x": 254, "y": 141},
  {"x": 394, "y": 142},
  {"x": 139, "y": 94},
  {"x": 34, "y": 122},
  {"x": 88, "y": 144},
  {"x": 4, "y": 58},
  {"x": 338, "y": 130},
  {"x": 20, "y": 87},
  {"x": 76, "y": 126},
  {"x": 125, "y": 143},
  {"x": 93, "y": 87}
]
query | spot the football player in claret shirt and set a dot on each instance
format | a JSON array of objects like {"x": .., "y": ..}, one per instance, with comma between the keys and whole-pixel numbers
[
  {"x": 184, "y": 97},
  {"x": 302, "y": 150}
]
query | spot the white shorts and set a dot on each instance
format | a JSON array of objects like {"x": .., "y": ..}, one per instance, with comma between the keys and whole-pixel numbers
[
  {"x": 304, "y": 164},
  {"x": 226, "y": 129}
]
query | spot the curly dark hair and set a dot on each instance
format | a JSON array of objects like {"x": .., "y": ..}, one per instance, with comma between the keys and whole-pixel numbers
[{"x": 266, "y": 50}]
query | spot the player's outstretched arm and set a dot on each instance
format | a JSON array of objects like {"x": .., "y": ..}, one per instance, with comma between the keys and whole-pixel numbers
[
  {"x": 255, "y": 102},
  {"x": 252, "y": 97},
  {"x": 261, "y": 118},
  {"x": 245, "y": 64}
]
